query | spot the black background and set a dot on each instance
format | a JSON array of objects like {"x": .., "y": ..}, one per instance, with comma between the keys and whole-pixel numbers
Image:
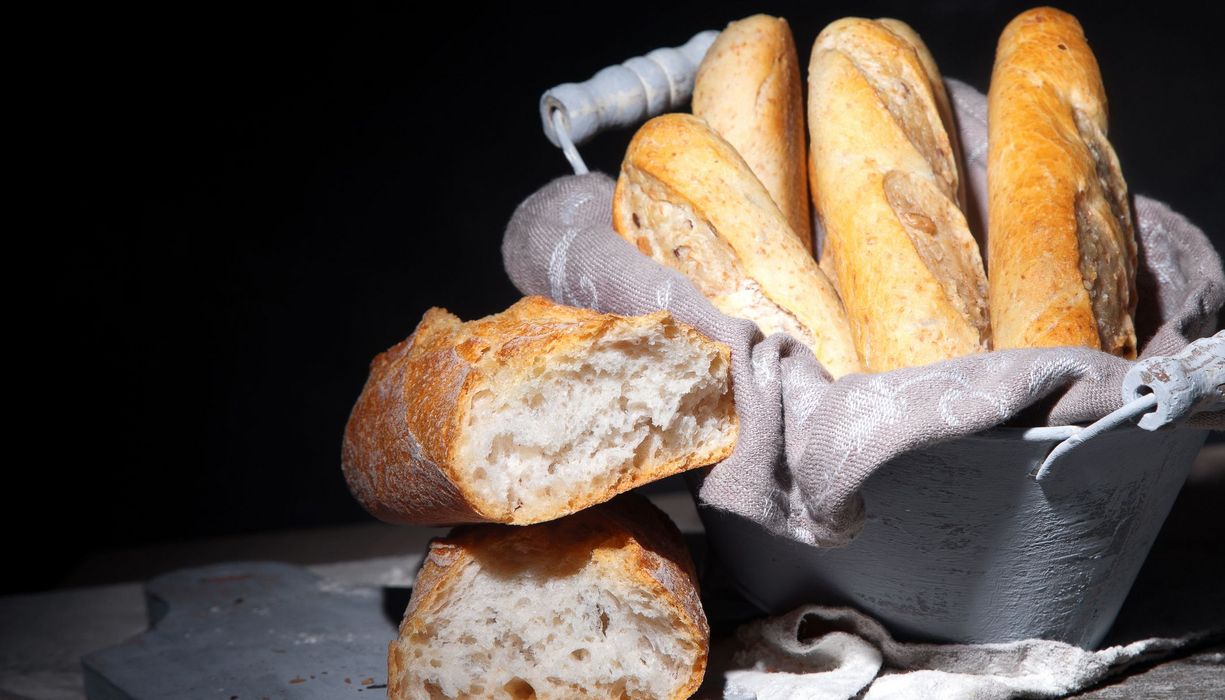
[{"x": 263, "y": 199}]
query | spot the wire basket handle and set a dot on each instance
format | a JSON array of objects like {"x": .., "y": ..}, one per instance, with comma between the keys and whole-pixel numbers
[
  {"x": 621, "y": 96},
  {"x": 1160, "y": 392}
]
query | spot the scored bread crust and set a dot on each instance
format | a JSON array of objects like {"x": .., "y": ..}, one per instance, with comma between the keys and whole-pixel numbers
[
  {"x": 633, "y": 538},
  {"x": 748, "y": 89},
  {"x": 885, "y": 187},
  {"x": 1061, "y": 242},
  {"x": 401, "y": 443},
  {"x": 735, "y": 240},
  {"x": 943, "y": 105}
]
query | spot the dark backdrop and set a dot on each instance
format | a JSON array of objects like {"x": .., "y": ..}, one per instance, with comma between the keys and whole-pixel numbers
[{"x": 268, "y": 198}]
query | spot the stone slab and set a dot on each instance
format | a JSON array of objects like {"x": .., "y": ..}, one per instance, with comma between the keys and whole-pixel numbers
[{"x": 252, "y": 631}]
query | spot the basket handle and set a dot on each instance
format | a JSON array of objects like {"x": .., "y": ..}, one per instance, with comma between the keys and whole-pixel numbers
[
  {"x": 1159, "y": 392},
  {"x": 622, "y": 95}
]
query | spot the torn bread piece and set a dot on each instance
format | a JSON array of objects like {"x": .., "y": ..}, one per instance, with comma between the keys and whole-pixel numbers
[
  {"x": 686, "y": 199},
  {"x": 600, "y": 604},
  {"x": 886, "y": 188},
  {"x": 748, "y": 90},
  {"x": 534, "y": 413}
]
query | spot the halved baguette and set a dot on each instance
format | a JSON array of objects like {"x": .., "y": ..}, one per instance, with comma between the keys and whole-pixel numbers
[
  {"x": 600, "y": 604},
  {"x": 534, "y": 413},
  {"x": 748, "y": 90},
  {"x": 688, "y": 200},
  {"x": 885, "y": 186},
  {"x": 1061, "y": 241}
]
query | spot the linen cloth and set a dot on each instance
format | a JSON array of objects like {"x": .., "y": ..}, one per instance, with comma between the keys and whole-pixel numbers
[{"x": 819, "y": 653}]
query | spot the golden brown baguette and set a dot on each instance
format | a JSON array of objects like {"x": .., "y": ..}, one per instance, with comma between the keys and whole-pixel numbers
[
  {"x": 620, "y": 615},
  {"x": 748, "y": 90},
  {"x": 534, "y": 413},
  {"x": 688, "y": 200},
  {"x": 904, "y": 31},
  {"x": 885, "y": 186},
  {"x": 1061, "y": 244}
]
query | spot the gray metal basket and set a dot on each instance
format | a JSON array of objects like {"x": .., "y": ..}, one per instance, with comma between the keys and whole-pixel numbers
[
  {"x": 1009, "y": 534},
  {"x": 963, "y": 544}
]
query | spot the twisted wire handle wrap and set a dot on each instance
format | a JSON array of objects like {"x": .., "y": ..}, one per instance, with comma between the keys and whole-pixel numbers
[
  {"x": 1190, "y": 382},
  {"x": 1159, "y": 392},
  {"x": 624, "y": 95}
]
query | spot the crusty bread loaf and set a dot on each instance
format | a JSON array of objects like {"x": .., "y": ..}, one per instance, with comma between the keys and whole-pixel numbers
[
  {"x": 748, "y": 90},
  {"x": 885, "y": 186},
  {"x": 1061, "y": 244},
  {"x": 534, "y": 413},
  {"x": 688, "y": 200},
  {"x": 601, "y": 604}
]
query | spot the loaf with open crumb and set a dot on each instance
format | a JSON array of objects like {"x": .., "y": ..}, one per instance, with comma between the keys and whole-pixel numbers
[
  {"x": 600, "y": 604},
  {"x": 534, "y": 413}
]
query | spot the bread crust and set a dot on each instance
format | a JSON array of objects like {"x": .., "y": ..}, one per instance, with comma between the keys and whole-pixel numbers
[
  {"x": 401, "y": 443},
  {"x": 748, "y": 90},
  {"x": 1061, "y": 242},
  {"x": 943, "y": 105},
  {"x": 628, "y": 534},
  {"x": 885, "y": 185},
  {"x": 740, "y": 246}
]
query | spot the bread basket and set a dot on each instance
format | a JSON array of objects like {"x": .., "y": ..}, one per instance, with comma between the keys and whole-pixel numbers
[{"x": 1006, "y": 534}]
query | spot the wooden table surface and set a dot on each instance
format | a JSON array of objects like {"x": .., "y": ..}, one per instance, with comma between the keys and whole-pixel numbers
[{"x": 43, "y": 635}]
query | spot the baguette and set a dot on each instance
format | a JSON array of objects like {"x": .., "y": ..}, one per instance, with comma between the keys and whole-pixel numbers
[
  {"x": 1061, "y": 242},
  {"x": 534, "y": 413},
  {"x": 686, "y": 199},
  {"x": 601, "y": 604},
  {"x": 748, "y": 90},
  {"x": 885, "y": 187}
]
